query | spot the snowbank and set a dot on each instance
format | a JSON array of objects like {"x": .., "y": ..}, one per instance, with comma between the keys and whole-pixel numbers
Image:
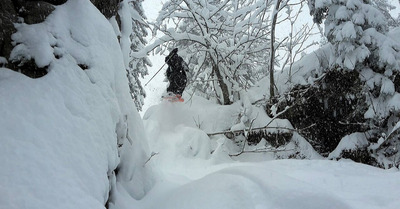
[
  {"x": 189, "y": 177},
  {"x": 59, "y": 132},
  {"x": 284, "y": 184}
]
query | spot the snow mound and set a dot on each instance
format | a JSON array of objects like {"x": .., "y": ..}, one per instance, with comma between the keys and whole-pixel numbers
[
  {"x": 192, "y": 113},
  {"x": 245, "y": 187},
  {"x": 349, "y": 142},
  {"x": 283, "y": 184},
  {"x": 59, "y": 132}
]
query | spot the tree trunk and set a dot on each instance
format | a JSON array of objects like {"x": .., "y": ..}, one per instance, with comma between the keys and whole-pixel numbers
[
  {"x": 272, "y": 55},
  {"x": 222, "y": 85}
]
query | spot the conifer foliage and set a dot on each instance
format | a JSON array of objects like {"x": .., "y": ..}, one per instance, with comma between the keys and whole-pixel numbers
[
  {"x": 359, "y": 34},
  {"x": 358, "y": 31},
  {"x": 133, "y": 34}
]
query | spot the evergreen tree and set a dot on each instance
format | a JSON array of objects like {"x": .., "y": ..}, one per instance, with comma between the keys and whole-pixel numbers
[
  {"x": 133, "y": 33},
  {"x": 359, "y": 34}
]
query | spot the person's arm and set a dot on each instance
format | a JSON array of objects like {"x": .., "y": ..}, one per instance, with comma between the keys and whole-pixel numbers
[
  {"x": 168, "y": 72},
  {"x": 171, "y": 56}
]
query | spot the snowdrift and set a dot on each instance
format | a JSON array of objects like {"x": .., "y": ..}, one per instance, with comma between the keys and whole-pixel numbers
[
  {"x": 189, "y": 176},
  {"x": 284, "y": 184}
]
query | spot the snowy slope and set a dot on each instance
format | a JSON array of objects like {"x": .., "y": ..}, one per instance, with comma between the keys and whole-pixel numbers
[
  {"x": 59, "y": 132},
  {"x": 190, "y": 176},
  {"x": 283, "y": 184}
]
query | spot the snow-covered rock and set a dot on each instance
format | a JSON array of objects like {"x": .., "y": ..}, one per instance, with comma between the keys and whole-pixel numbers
[{"x": 60, "y": 133}]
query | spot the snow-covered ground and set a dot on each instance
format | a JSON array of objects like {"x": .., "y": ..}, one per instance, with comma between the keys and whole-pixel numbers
[
  {"x": 283, "y": 184},
  {"x": 60, "y": 133},
  {"x": 193, "y": 171}
]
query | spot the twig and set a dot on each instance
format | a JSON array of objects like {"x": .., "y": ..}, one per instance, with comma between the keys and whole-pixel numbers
[
  {"x": 127, "y": 131},
  {"x": 198, "y": 123},
  {"x": 394, "y": 131},
  {"x": 245, "y": 137},
  {"x": 152, "y": 154}
]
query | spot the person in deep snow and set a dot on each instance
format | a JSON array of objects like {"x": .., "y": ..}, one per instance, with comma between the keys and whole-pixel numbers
[{"x": 176, "y": 73}]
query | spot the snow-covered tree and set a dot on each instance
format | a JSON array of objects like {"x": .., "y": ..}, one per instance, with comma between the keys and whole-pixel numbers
[
  {"x": 133, "y": 33},
  {"x": 286, "y": 50},
  {"x": 225, "y": 42},
  {"x": 359, "y": 34},
  {"x": 350, "y": 27},
  {"x": 384, "y": 6},
  {"x": 275, "y": 9}
]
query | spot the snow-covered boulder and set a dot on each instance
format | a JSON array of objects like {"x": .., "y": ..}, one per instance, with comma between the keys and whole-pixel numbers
[{"x": 60, "y": 133}]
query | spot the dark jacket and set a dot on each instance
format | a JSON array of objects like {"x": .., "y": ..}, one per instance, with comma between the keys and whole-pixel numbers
[{"x": 176, "y": 72}]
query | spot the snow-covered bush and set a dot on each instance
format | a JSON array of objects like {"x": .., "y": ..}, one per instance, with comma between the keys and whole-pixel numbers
[{"x": 332, "y": 107}]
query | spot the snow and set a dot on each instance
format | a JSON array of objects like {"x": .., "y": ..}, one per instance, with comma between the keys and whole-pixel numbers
[
  {"x": 349, "y": 142},
  {"x": 280, "y": 184},
  {"x": 322, "y": 3},
  {"x": 59, "y": 138},
  {"x": 3, "y": 61},
  {"x": 394, "y": 103},
  {"x": 348, "y": 31},
  {"x": 60, "y": 135},
  {"x": 342, "y": 13},
  {"x": 387, "y": 87},
  {"x": 194, "y": 171}
]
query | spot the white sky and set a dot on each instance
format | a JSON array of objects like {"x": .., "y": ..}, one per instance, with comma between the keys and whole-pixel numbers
[{"x": 155, "y": 88}]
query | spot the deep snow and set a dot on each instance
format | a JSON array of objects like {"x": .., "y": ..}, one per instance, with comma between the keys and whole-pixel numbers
[
  {"x": 60, "y": 133},
  {"x": 193, "y": 171}
]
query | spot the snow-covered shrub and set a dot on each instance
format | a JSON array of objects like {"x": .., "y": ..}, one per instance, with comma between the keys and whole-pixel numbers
[
  {"x": 361, "y": 155},
  {"x": 327, "y": 110},
  {"x": 355, "y": 146},
  {"x": 387, "y": 153},
  {"x": 274, "y": 138}
]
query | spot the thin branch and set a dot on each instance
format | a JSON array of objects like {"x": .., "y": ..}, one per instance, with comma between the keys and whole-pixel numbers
[
  {"x": 152, "y": 155},
  {"x": 260, "y": 151},
  {"x": 261, "y": 128}
]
